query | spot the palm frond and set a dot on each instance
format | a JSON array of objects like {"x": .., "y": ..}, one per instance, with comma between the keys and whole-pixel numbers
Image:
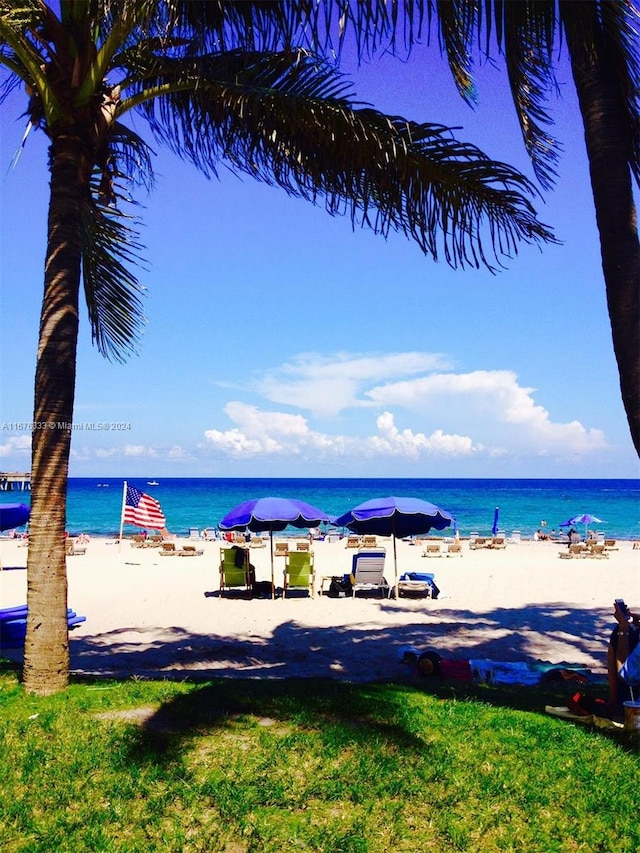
[
  {"x": 456, "y": 22},
  {"x": 272, "y": 25},
  {"x": 262, "y": 25},
  {"x": 112, "y": 292},
  {"x": 19, "y": 15},
  {"x": 111, "y": 248},
  {"x": 196, "y": 89},
  {"x": 287, "y": 120},
  {"x": 21, "y": 51},
  {"x": 524, "y": 30},
  {"x": 526, "y": 33},
  {"x": 128, "y": 157}
]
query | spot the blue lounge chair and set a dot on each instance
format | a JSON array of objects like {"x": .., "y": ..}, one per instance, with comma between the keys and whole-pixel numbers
[
  {"x": 418, "y": 583},
  {"x": 13, "y": 625}
]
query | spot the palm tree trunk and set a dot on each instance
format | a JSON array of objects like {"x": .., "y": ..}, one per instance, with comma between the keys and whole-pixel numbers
[
  {"x": 607, "y": 142},
  {"x": 46, "y": 659}
]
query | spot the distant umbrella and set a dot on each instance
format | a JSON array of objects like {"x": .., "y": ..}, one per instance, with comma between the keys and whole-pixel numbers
[
  {"x": 272, "y": 514},
  {"x": 496, "y": 515},
  {"x": 585, "y": 519}
]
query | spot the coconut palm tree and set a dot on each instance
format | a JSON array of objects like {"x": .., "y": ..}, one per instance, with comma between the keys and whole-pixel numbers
[
  {"x": 217, "y": 82},
  {"x": 602, "y": 38}
]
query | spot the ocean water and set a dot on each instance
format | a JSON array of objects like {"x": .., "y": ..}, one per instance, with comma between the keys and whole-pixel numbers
[{"x": 94, "y": 505}]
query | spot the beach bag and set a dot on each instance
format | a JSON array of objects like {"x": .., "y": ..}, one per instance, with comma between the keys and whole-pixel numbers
[
  {"x": 585, "y": 706},
  {"x": 262, "y": 589},
  {"x": 630, "y": 669},
  {"x": 339, "y": 588}
]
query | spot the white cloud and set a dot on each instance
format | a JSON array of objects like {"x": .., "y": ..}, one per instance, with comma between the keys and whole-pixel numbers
[
  {"x": 18, "y": 444},
  {"x": 137, "y": 450},
  {"x": 177, "y": 454},
  {"x": 404, "y": 408},
  {"x": 260, "y": 433},
  {"x": 131, "y": 451},
  {"x": 393, "y": 442},
  {"x": 483, "y": 413},
  {"x": 86, "y": 453},
  {"x": 107, "y": 452},
  {"x": 325, "y": 386},
  {"x": 491, "y": 400}
]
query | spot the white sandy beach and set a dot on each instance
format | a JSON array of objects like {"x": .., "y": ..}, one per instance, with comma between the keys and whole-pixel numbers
[{"x": 156, "y": 616}]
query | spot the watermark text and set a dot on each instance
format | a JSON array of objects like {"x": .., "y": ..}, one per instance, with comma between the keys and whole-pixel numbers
[{"x": 85, "y": 426}]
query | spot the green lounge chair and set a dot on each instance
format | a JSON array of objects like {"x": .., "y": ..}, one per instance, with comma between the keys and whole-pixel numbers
[
  {"x": 298, "y": 572},
  {"x": 232, "y": 575}
]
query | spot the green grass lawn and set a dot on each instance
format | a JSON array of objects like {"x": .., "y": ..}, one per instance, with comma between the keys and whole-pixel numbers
[{"x": 244, "y": 766}]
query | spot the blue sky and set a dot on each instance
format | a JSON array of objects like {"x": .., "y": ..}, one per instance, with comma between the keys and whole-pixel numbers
[{"x": 279, "y": 342}]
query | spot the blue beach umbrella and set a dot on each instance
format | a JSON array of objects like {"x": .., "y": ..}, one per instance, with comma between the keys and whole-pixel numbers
[
  {"x": 496, "y": 515},
  {"x": 13, "y": 515},
  {"x": 397, "y": 517},
  {"x": 585, "y": 519},
  {"x": 272, "y": 514}
]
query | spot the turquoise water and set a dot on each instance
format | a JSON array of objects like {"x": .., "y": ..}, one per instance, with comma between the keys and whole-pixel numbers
[{"x": 94, "y": 506}]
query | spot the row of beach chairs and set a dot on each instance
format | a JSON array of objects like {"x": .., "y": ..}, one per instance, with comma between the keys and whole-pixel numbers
[
  {"x": 439, "y": 549},
  {"x": 365, "y": 541},
  {"x": 580, "y": 550},
  {"x": 477, "y": 542},
  {"x": 367, "y": 574},
  {"x": 168, "y": 549},
  {"x": 140, "y": 541}
]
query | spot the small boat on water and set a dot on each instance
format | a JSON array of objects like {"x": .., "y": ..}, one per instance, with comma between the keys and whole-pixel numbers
[{"x": 152, "y": 483}]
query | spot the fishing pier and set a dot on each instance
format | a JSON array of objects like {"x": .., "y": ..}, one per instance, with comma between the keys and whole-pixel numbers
[{"x": 12, "y": 481}]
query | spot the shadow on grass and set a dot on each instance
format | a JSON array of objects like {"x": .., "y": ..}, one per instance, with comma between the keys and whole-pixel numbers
[{"x": 339, "y": 714}]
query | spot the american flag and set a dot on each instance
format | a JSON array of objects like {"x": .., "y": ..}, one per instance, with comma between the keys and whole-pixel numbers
[{"x": 143, "y": 510}]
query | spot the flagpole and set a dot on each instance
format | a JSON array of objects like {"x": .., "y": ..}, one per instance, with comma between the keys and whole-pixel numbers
[{"x": 124, "y": 502}]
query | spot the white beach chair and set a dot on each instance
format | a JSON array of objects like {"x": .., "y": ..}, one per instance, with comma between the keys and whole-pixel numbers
[{"x": 367, "y": 572}]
